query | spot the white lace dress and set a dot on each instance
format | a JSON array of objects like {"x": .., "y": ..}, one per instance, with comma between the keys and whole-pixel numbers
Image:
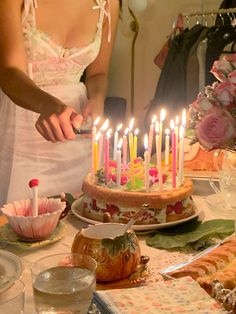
[{"x": 24, "y": 153}]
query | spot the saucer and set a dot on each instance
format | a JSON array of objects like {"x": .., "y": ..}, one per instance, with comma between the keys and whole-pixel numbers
[
  {"x": 136, "y": 279},
  {"x": 9, "y": 236},
  {"x": 11, "y": 268},
  {"x": 219, "y": 207}
]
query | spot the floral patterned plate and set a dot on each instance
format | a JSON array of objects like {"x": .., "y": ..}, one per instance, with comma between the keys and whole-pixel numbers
[{"x": 8, "y": 235}]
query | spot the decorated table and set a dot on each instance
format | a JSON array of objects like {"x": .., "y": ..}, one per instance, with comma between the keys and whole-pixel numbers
[{"x": 159, "y": 259}]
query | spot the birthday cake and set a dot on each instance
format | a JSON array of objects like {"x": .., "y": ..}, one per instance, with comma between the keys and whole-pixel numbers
[{"x": 105, "y": 200}]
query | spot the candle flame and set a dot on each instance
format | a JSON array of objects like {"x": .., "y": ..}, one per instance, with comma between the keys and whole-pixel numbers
[
  {"x": 154, "y": 118},
  {"x": 146, "y": 142},
  {"x": 108, "y": 133},
  {"x": 97, "y": 136},
  {"x": 172, "y": 124},
  {"x": 126, "y": 131},
  {"x": 120, "y": 143},
  {"x": 162, "y": 115},
  {"x": 157, "y": 127},
  {"x": 97, "y": 120},
  {"x": 136, "y": 132},
  {"x": 177, "y": 120},
  {"x": 105, "y": 125},
  {"x": 119, "y": 127},
  {"x": 181, "y": 131},
  {"x": 184, "y": 117},
  {"x": 167, "y": 131},
  {"x": 131, "y": 124}
]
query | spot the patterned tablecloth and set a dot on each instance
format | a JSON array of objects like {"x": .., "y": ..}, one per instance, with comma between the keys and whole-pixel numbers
[{"x": 159, "y": 259}]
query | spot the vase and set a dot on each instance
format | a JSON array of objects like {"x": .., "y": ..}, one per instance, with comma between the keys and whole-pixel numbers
[{"x": 226, "y": 173}]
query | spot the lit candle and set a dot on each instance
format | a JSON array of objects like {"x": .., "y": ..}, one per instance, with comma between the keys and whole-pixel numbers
[
  {"x": 106, "y": 155},
  {"x": 100, "y": 145},
  {"x": 94, "y": 132},
  {"x": 116, "y": 136},
  {"x": 125, "y": 144},
  {"x": 184, "y": 119},
  {"x": 167, "y": 146},
  {"x": 118, "y": 163},
  {"x": 181, "y": 154},
  {"x": 146, "y": 162},
  {"x": 131, "y": 150},
  {"x": 95, "y": 153},
  {"x": 33, "y": 184},
  {"x": 173, "y": 137},
  {"x": 158, "y": 155},
  {"x": 177, "y": 137},
  {"x": 135, "y": 142},
  {"x": 162, "y": 118},
  {"x": 150, "y": 136}
]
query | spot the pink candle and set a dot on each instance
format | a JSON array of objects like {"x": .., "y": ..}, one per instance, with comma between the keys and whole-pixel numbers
[
  {"x": 106, "y": 155},
  {"x": 173, "y": 137}
]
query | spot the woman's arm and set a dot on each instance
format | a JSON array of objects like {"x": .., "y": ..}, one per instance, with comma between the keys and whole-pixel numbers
[
  {"x": 97, "y": 72},
  {"x": 54, "y": 121}
]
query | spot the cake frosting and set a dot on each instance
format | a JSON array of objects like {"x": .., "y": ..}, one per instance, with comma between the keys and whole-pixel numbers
[{"x": 119, "y": 203}]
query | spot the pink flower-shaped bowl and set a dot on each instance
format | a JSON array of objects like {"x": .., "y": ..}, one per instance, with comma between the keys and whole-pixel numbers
[{"x": 34, "y": 228}]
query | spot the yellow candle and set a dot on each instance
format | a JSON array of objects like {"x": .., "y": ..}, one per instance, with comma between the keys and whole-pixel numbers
[
  {"x": 167, "y": 146},
  {"x": 135, "y": 142},
  {"x": 146, "y": 163},
  {"x": 94, "y": 132},
  {"x": 158, "y": 156},
  {"x": 131, "y": 151}
]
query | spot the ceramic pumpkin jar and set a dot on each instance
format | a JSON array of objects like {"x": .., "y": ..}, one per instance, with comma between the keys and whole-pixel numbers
[{"x": 117, "y": 254}]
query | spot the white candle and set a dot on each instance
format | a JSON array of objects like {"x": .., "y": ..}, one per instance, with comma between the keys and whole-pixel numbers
[
  {"x": 100, "y": 144},
  {"x": 167, "y": 146},
  {"x": 116, "y": 136},
  {"x": 118, "y": 163},
  {"x": 173, "y": 136},
  {"x": 150, "y": 135},
  {"x": 158, "y": 155},
  {"x": 184, "y": 120},
  {"x": 146, "y": 163},
  {"x": 181, "y": 154}
]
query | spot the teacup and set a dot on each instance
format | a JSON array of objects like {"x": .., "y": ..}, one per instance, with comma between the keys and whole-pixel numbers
[{"x": 117, "y": 253}]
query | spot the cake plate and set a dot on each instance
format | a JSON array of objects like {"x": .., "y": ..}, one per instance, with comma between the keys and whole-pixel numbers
[{"x": 77, "y": 210}]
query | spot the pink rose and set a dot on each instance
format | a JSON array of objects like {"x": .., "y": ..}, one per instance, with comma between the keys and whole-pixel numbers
[
  {"x": 216, "y": 129},
  {"x": 203, "y": 104},
  {"x": 232, "y": 77},
  {"x": 225, "y": 92},
  {"x": 221, "y": 69}
]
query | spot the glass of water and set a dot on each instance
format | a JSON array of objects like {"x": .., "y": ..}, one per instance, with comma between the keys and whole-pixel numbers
[
  {"x": 12, "y": 300},
  {"x": 63, "y": 283}
]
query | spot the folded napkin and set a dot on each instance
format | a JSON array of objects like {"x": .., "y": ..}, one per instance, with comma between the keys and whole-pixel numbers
[{"x": 183, "y": 296}]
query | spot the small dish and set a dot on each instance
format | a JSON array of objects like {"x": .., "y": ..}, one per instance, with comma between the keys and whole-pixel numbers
[
  {"x": 136, "y": 279},
  {"x": 9, "y": 236},
  {"x": 11, "y": 268}
]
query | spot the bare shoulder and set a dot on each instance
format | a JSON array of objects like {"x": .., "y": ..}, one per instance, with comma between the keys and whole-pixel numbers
[{"x": 13, "y": 4}]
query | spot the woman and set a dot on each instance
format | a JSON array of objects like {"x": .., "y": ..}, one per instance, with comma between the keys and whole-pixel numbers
[{"x": 45, "y": 47}]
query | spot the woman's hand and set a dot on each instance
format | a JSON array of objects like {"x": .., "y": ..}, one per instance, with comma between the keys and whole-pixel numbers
[
  {"x": 58, "y": 126},
  {"x": 92, "y": 109}
]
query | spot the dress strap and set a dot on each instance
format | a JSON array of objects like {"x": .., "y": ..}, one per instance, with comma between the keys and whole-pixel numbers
[
  {"x": 29, "y": 9},
  {"x": 101, "y": 5}
]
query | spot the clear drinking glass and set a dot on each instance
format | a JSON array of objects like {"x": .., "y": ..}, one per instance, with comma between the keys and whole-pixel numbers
[
  {"x": 12, "y": 300},
  {"x": 63, "y": 283}
]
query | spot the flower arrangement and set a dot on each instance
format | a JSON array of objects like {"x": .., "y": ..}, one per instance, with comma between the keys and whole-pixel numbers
[{"x": 213, "y": 113}]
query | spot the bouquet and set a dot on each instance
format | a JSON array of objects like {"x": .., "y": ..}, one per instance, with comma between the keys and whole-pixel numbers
[{"x": 213, "y": 113}]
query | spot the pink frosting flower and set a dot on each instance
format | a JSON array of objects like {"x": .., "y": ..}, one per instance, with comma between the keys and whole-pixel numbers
[
  {"x": 203, "y": 104},
  {"x": 216, "y": 129}
]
